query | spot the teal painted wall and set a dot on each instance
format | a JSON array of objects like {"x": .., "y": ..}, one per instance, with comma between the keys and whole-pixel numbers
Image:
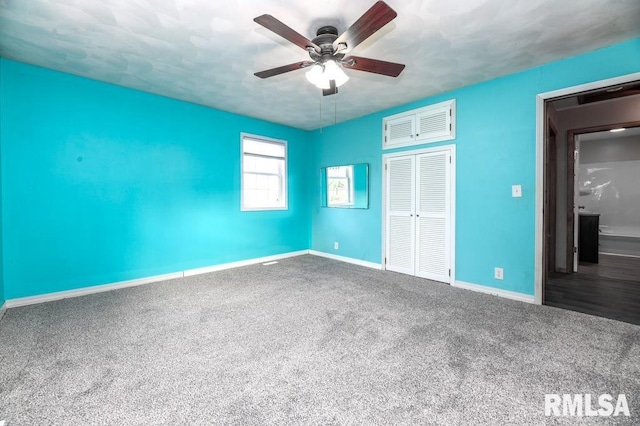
[
  {"x": 102, "y": 184},
  {"x": 495, "y": 146},
  {"x": 2, "y": 107},
  {"x": 2, "y": 296}
]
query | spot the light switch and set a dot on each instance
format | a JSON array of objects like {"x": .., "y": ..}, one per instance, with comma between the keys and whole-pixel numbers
[{"x": 516, "y": 191}]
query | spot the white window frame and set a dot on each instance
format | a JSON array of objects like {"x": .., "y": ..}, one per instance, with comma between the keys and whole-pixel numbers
[{"x": 285, "y": 191}]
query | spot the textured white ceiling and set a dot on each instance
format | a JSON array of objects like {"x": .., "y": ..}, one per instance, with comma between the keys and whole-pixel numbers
[{"x": 206, "y": 51}]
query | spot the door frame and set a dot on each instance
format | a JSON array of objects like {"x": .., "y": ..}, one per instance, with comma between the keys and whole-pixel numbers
[
  {"x": 550, "y": 194},
  {"x": 540, "y": 137},
  {"x": 572, "y": 205},
  {"x": 451, "y": 150}
]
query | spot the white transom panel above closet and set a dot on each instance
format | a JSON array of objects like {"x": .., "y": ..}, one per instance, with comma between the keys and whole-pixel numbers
[{"x": 433, "y": 123}]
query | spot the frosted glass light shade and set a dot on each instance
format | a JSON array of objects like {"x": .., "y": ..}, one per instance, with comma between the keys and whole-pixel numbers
[
  {"x": 321, "y": 76},
  {"x": 316, "y": 77},
  {"x": 333, "y": 72}
]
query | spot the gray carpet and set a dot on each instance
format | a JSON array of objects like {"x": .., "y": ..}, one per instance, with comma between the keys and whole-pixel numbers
[{"x": 306, "y": 341}]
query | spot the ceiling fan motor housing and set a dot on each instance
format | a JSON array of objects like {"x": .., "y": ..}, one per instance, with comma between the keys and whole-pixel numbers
[{"x": 325, "y": 36}]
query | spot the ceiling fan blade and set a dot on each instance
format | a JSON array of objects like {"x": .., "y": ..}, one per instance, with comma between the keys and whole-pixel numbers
[
  {"x": 281, "y": 70},
  {"x": 375, "y": 66},
  {"x": 332, "y": 90},
  {"x": 271, "y": 23},
  {"x": 373, "y": 19}
]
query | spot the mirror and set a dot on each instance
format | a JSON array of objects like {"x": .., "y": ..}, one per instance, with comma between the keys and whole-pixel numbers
[{"x": 345, "y": 187}]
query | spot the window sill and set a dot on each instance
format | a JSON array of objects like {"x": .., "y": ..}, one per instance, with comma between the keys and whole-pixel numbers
[{"x": 262, "y": 209}]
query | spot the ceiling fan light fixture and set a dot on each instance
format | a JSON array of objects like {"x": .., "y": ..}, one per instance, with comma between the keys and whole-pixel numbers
[
  {"x": 321, "y": 75},
  {"x": 327, "y": 50},
  {"x": 323, "y": 84},
  {"x": 315, "y": 75},
  {"x": 334, "y": 72}
]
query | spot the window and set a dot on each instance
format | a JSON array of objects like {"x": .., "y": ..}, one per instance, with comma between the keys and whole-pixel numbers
[
  {"x": 340, "y": 186},
  {"x": 264, "y": 173}
]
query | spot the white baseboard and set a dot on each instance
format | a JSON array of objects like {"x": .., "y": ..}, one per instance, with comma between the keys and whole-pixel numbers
[
  {"x": 620, "y": 255},
  {"x": 58, "y": 295},
  {"x": 3, "y": 309},
  {"x": 231, "y": 265},
  {"x": 50, "y": 297},
  {"x": 495, "y": 291},
  {"x": 346, "y": 259}
]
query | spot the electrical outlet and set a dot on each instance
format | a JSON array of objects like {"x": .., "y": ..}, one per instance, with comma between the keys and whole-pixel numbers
[
  {"x": 498, "y": 273},
  {"x": 336, "y": 246},
  {"x": 516, "y": 191}
]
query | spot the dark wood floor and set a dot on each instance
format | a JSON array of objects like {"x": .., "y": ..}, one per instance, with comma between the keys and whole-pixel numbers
[
  {"x": 597, "y": 289},
  {"x": 617, "y": 267}
]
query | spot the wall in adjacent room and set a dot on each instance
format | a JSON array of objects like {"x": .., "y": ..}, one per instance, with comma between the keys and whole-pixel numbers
[
  {"x": 102, "y": 184},
  {"x": 496, "y": 148},
  {"x": 610, "y": 173},
  {"x": 615, "y": 111}
]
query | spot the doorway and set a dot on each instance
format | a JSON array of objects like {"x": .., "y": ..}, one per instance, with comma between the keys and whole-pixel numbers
[
  {"x": 576, "y": 271},
  {"x": 607, "y": 202}
]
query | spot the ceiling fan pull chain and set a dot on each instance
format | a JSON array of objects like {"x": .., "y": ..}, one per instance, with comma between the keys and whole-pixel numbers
[{"x": 321, "y": 122}]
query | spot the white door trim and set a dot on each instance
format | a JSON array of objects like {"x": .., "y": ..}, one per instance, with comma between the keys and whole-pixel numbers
[
  {"x": 540, "y": 99},
  {"x": 451, "y": 149},
  {"x": 576, "y": 202}
]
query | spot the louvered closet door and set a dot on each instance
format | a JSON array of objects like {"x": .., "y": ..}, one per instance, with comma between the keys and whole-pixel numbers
[
  {"x": 433, "y": 216},
  {"x": 400, "y": 238}
]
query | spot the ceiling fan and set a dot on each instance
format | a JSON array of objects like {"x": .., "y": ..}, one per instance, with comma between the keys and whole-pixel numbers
[{"x": 327, "y": 50}]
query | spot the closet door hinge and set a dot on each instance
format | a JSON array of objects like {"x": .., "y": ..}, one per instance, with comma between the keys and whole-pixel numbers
[{"x": 449, "y": 272}]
